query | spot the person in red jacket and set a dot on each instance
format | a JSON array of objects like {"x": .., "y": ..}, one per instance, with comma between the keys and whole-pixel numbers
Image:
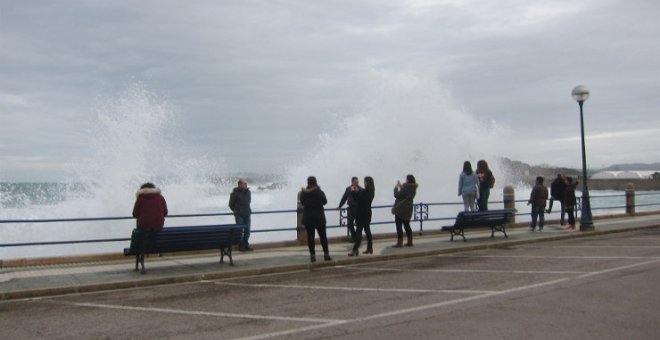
[{"x": 150, "y": 210}]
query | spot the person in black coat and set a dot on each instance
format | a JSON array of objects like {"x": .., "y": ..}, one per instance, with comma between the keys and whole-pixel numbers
[
  {"x": 570, "y": 202},
  {"x": 352, "y": 205},
  {"x": 363, "y": 198},
  {"x": 313, "y": 199},
  {"x": 557, "y": 192},
  {"x": 403, "y": 209}
]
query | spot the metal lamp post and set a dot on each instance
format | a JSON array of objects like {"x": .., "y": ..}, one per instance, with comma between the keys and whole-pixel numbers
[{"x": 581, "y": 93}]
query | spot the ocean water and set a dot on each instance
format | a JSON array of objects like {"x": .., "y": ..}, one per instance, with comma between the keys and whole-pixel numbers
[{"x": 404, "y": 124}]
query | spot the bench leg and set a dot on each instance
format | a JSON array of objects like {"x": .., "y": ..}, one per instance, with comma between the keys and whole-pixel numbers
[{"x": 226, "y": 251}]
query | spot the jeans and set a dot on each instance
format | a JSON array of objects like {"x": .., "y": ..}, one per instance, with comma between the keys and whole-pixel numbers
[
  {"x": 246, "y": 231},
  {"x": 469, "y": 199},
  {"x": 482, "y": 202},
  {"x": 406, "y": 225},
  {"x": 561, "y": 205},
  {"x": 538, "y": 213},
  {"x": 571, "y": 215},
  {"x": 358, "y": 236},
  {"x": 311, "y": 241}
]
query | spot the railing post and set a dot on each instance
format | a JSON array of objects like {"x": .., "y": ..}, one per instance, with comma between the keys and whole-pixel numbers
[
  {"x": 509, "y": 196},
  {"x": 301, "y": 232},
  {"x": 421, "y": 213},
  {"x": 630, "y": 199}
]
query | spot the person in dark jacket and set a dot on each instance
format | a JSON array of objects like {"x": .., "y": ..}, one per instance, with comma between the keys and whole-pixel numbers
[
  {"x": 364, "y": 198},
  {"x": 150, "y": 210},
  {"x": 570, "y": 202},
  {"x": 313, "y": 199},
  {"x": 239, "y": 203},
  {"x": 486, "y": 182},
  {"x": 557, "y": 193},
  {"x": 537, "y": 199},
  {"x": 403, "y": 209},
  {"x": 352, "y": 205}
]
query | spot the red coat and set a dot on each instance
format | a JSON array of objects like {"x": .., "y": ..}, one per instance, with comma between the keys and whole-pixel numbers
[{"x": 150, "y": 209}]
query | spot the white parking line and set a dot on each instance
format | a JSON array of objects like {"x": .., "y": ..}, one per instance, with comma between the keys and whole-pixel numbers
[
  {"x": 555, "y": 257},
  {"x": 354, "y": 289},
  {"x": 588, "y": 246},
  {"x": 199, "y": 313},
  {"x": 553, "y": 272}
]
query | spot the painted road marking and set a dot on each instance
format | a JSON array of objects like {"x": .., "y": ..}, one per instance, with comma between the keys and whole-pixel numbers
[{"x": 354, "y": 289}]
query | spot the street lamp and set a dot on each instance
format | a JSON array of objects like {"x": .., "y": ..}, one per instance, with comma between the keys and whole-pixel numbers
[{"x": 580, "y": 93}]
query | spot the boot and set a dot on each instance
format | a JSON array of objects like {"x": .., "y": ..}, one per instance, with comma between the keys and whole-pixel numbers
[
  {"x": 354, "y": 252},
  {"x": 399, "y": 242},
  {"x": 312, "y": 258},
  {"x": 409, "y": 243},
  {"x": 368, "y": 251},
  {"x": 326, "y": 257}
]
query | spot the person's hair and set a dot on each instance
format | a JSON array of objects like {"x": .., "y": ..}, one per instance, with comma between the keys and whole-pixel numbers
[
  {"x": 369, "y": 184},
  {"x": 559, "y": 176},
  {"x": 147, "y": 185},
  {"x": 467, "y": 167},
  {"x": 539, "y": 179},
  {"x": 410, "y": 179},
  {"x": 353, "y": 178},
  {"x": 311, "y": 181},
  {"x": 482, "y": 166},
  {"x": 240, "y": 180},
  {"x": 569, "y": 179}
]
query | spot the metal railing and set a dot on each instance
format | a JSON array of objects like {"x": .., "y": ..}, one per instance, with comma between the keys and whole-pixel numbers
[{"x": 421, "y": 215}]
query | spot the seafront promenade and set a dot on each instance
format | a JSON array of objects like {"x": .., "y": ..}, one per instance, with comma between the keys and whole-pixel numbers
[{"x": 81, "y": 274}]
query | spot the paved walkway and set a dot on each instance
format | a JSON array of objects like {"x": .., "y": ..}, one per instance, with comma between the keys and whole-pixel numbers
[{"x": 48, "y": 280}]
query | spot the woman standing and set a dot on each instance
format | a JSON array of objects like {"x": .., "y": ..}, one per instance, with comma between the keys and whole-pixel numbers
[
  {"x": 150, "y": 210},
  {"x": 313, "y": 199},
  {"x": 403, "y": 209},
  {"x": 364, "y": 198},
  {"x": 468, "y": 184},
  {"x": 486, "y": 182}
]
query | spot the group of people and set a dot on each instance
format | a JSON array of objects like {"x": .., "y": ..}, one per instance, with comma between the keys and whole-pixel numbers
[
  {"x": 474, "y": 186},
  {"x": 359, "y": 213},
  {"x": 562, "y": 190},
  {"x": 150, "y": 207}
]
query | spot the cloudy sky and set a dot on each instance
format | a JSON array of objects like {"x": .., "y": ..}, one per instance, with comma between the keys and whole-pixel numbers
[{"x": 257, "y": 84}]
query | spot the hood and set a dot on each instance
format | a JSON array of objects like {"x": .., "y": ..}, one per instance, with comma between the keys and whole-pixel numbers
[{"x": 147, "y": 191}]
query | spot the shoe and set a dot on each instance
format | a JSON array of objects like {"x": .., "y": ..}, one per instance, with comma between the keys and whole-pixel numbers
[
  {"x": 399, "y": 243},
  {"x": 547, "y": 211},
  {"x": 540, "y": 230},
  {"x": 532, "y": 229},
  {"x": 368, "y": 251},
  {"x": 312, "y": 258},
  {"x": 409, "y": 244},
  {"x": 354, "y": 252},
  {"x": 327, "y": 257}
]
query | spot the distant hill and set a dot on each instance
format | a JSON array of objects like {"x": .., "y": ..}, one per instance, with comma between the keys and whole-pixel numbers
[
  {"x": 633, "y": 167},
  {"x": 523, "y": 173}
]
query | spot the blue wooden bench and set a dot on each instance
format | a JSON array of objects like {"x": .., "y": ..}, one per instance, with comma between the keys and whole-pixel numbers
[
  {"x": 496, "y": 220},
  {"x": 176, "y": 239}
]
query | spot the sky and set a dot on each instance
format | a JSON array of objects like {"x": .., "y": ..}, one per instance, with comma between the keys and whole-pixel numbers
[{"x": 258, "y": 85}]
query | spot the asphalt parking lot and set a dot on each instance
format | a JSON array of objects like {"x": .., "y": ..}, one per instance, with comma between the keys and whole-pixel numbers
[{"x": 600, "y": 287}]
